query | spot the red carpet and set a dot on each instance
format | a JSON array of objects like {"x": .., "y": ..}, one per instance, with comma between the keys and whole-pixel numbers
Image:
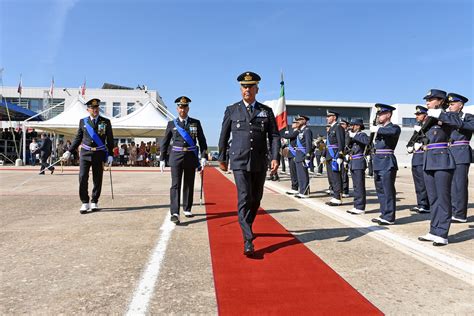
[{"x": 284, "y": 278}]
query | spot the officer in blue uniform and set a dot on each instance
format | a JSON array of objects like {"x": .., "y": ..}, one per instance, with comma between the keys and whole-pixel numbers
[
  {"x": 252, "y": 125},
  {"x": 439, "y": 168},
  {"x": 45, "y": 152},
  {"x": 358, "y": 140},
  {"x": 291, "y": 137},
  {"x": 182, "y": 136},
  {"x": 385, "y": 163},
  {"x": 304, "y": 143},
  {"x": 335, "y": 143},
  {"x": 345, "y": 164},
  {"x": 97, "y": 143},
  {"x": 462, "y": 152},
  {"x": 423, "y": 204}
]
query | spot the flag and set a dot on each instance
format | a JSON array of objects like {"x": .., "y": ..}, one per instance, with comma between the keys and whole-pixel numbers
[
  {"x": 20, "y": 87},
  {"x": 83, "y": 88},
  {"x": 280, "y": 110},
  {"x": 51, "y": 89}
]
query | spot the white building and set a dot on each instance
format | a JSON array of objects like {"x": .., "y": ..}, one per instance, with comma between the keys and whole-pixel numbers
[{"x": 116, "y": 101}]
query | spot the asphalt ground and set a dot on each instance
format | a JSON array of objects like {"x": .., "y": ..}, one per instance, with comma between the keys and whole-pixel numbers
[{"x": 57, "y": 261}]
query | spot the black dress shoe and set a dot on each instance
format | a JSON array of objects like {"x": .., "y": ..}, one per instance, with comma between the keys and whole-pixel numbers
[
  {"x": 52, "y": 170},
  {"x": 175, "y": 219},
  {"x": 248, "y": 248}
]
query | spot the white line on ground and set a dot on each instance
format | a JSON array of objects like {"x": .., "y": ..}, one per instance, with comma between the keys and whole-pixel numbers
[
  {"x": 142, "y": 295},
  {"x": 453, "y": 264}
]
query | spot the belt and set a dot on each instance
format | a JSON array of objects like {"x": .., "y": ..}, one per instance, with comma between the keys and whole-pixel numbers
[
  {"x": 300, "y": 148},
  {"x": 436, "y": 146},
  {"x": 384, "y": 151},
  {"x": 358, "y": 156},
  {"x": 100, "y": 148},
  {"x": 460, "y": 143},
  {"x": 177, "y": 148},
  {"x": 333, "y": 146},
  {"x": 420, "y": 151}
]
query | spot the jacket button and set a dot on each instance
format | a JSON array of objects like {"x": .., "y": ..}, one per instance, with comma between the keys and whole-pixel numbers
[
  {"x": 251, "y": 139},
  {"x": 251, "y": 148},
  {"x": 250, "y": 123},
  {"x": 250, "y": 132}
]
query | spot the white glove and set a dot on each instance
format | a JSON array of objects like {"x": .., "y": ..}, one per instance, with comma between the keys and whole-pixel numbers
[
  {"x": 374, "y": 129},
  {"x": 417, "y": 128},
  {"x": 352, "y": 134},
  {"x": 307, "y": 162},
  {"x": 322, "y": 160},
  {"x": 339, "y": 161},
  {"x": 434, "y": 112},
  {"x": 417, "y": 146},
  {"x": 66, "y": 155},
  {"x": 110, "y": 159},
  {"x": 347, "y": 157},
  {"x": 162, "y": 165},
  {"x": 203, "y": 162},
  {"x": 409, "y": 149}
]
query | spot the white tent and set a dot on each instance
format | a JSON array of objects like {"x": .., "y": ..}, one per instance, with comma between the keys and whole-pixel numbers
[
  {"x": 149, "y": 120},
  {"x": 65, "y": 123}
]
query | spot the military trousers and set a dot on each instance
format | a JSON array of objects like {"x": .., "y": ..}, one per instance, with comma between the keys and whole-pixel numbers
[
  {"x": 385, "y": 187},
  {"x": 249, "y": 194},
  {"x": 459, "y": 191},
  {"x": 345, "y": 179},
  {"x": 97, "y": 173},
  {"x": 358, "y": 182},
  {"x": 187, "y": 181},
  {"x": 436, "y": 182},
  {"x": 335, "y": 180},
  {"x": 303, "y": 177},
  {"x": 293, "y": 176},
  {"x": 420, "y": 187}
]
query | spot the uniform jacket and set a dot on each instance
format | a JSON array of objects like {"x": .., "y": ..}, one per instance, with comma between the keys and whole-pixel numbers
[
  {"x": 357, "y": 146},
  {"x": 103, "y": 128},
  {"x": 45, "y": 148},
  {"x": 464, "y": 126},
  {"x": 250, "y": 134},
  {"x": 173, "y": 138},
  {"x": 417, "y": 158},
  {"x": 305, "y": 137},
  {"x": 335, "y": 136},
  {"x": 291, "y": 136},
  {"x": 439, "y": 158},
  {"x": 387, "y": 138}
]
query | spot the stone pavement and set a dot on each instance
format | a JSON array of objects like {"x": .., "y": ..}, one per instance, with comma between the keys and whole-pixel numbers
[{"x": 54, "y": 260}]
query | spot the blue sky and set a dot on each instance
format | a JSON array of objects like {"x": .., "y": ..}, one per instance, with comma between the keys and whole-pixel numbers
[{"x": 361, "y": 51}]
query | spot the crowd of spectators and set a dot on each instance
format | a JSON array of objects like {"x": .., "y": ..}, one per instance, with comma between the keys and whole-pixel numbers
[{"x": 137, "y": 155}]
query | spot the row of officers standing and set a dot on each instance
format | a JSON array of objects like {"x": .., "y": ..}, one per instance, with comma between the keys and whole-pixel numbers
[
  {"x": 441, "y": 150},
  {"x": 440, "y": 164}
]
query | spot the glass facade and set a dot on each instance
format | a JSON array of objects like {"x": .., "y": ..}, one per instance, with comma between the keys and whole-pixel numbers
[
  {"x": 408, "y": 121},
  {"x": 130, "y": 107},
  {"x": 116, "y": 109},
  {"x": 317, "y": 116}
]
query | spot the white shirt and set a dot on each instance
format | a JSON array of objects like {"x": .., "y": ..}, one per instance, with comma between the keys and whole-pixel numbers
[
  {"x": 250, "y": 104},
  {"x": 33, "y": 146}
]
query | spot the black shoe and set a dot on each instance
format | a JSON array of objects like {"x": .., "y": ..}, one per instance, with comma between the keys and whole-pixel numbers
[
  {"x": 248, "y": 248},
  {"x": 52, "y": 170},
  {"x": 175, "y": 219}
]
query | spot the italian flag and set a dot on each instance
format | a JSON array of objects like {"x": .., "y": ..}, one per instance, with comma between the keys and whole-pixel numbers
[{"x": 280, "y": 109}]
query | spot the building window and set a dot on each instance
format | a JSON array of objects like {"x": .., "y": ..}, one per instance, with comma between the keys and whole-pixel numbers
[
  {"x": 116, "y": 109},
  {"x": 130, "y": 107},
  {"x": 408, "y": 121},
  {"x": 102, "y": 108}
]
